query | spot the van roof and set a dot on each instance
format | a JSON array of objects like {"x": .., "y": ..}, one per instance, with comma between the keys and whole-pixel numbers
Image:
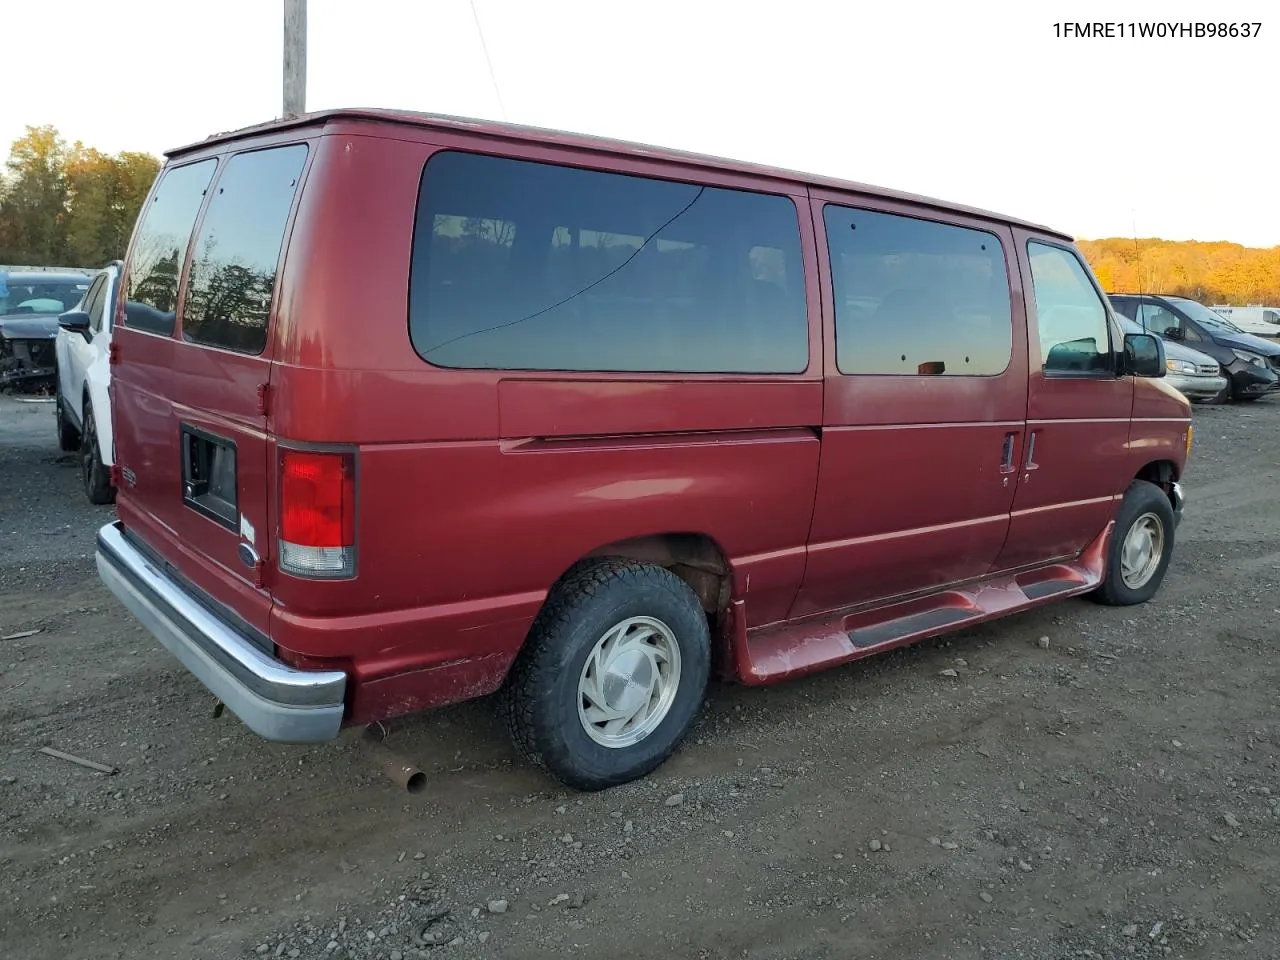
[{"x": 604, "y": 145}]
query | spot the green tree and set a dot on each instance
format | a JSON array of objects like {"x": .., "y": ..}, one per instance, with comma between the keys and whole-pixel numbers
[
  {"x": 33, "y": 199},
  {"x": 75, "y": 206},
  {"x": 104, "y": 196}
]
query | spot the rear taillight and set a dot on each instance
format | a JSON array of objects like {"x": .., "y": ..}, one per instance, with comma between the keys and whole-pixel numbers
[{"x": 318, "y": 514}]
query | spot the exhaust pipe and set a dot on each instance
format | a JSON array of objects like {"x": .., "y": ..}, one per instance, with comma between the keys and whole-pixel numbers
[{"x": 405, "y": 774}]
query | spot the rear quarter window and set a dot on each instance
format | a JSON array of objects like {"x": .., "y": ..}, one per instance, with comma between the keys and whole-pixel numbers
[
  {"x": 164, "y": 233},
  {"x": 521, "y": 265},
  {"x": 235, "y": 256}
]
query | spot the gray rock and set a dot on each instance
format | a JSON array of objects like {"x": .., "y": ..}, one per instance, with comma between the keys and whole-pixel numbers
[
  {"x": 483, "y": 936},
  {"x": 875, "y": 845},
  {"x": 1231, "y": 821},
  {"x": 986, "y": 897},
  {"x": 1043, "y": 643},
  {"x": 1131, "y": 930},
  {"x": 674, "y": 800},
  {"x": 498, "y": 906},
  {"x": 949, "y": 672}
]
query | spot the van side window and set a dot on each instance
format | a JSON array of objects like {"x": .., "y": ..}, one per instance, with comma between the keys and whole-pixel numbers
[
  {"x": 233, "y": 266},
  {"x": 161, "y": 248},
  {"x": 917, "y": 298},
  {"x": 520, "y": 265},
  {"x": 1074, "y": 333}
]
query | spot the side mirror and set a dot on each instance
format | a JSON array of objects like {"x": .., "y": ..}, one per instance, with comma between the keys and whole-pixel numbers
[
  {"x": 74, "y": 320},
  {"x": 1144, "y": 355}
]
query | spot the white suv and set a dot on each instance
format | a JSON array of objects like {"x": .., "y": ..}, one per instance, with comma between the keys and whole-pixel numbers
[{"x": 84, "y": 372}]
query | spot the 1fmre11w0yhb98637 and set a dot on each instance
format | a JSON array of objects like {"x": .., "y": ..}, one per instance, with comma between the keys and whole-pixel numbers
[{"x": 410, "y": 410}]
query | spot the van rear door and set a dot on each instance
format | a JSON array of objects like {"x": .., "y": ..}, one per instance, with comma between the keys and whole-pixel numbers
[{"x": 192, "y": 442}]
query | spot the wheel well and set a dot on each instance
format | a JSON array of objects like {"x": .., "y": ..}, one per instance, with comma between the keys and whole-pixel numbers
[
  {"x": 693, "y": 557},
  {"x": 1163, "y": 473}
]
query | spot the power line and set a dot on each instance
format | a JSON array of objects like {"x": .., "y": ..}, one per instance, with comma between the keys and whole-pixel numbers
[{"x": 488, "y": 60}]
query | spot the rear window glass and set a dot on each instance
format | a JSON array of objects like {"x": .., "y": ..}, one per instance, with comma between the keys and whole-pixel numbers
[
  {"x": 917, "y": 298},
  {"x": 531, "y": 266},
  {"x": 163, "y": 235},
  {"x": 40, "y": 296},
  {"x": 234, "y": 258}
]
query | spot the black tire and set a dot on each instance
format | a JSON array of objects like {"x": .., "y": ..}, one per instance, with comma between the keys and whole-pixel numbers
[
  {"x": 96, "y": 476},
  {"x": 68, "y": 435},
  {"x": 542, "y": 696},
  {"x": 1141, "y": 501},
  {"x": 1223, "y": 396}
]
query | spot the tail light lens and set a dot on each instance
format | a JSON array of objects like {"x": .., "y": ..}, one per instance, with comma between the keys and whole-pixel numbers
[{"x": 318, "y": 514}]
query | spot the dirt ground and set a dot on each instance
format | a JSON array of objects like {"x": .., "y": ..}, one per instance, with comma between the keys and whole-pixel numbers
[{"x": 1110, "y": 791}]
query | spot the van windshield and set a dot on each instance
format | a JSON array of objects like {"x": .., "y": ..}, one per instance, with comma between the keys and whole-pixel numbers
[{"x": 1203, "y": 315}]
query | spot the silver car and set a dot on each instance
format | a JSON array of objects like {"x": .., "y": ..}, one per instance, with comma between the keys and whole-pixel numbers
[{"x": 1196, "y": 375}]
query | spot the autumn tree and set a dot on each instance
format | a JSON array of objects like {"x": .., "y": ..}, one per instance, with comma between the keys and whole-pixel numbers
[
  {"x": 74, "y": 206},
  {"x": 104, "y": 196},
  {"x": 1227, "y": 273},
  {"x": 33, "y": 199}
]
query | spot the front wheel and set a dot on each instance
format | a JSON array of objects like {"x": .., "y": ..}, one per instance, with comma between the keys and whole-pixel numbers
[
  {"x": 1223, "y": 396},
  {"x": 612, "y": 674},
  {"x": 1140, "y": 549},
  {"x": 68, "y": 435},
  {"x": 97, "y": 478}
]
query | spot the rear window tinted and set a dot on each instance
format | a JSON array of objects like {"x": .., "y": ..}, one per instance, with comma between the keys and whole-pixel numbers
[
  {"x": 234, "y": 259},
  {"x": 161, "y": 247},
  {"x": 917, "y": 298},
  {"x": 531, "y": 266}
]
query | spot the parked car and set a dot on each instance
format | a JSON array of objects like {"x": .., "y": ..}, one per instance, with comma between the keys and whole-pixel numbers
[
  {"x": 1251, "y": 363},
  {"x": 30, "y": 302},
  {"x": 1197, "y": 376},
  {"x": 83, "y": 407},
  {"x": 1258, "y": 320},
  {"x": 411, "y": 409}
]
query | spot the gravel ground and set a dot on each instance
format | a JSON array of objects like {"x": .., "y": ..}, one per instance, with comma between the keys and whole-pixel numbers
[{"x": 1090, "y": 782}]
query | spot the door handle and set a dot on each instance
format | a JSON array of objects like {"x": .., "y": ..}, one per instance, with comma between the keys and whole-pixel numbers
[
  {"x": 1031, "y": 450},
  {"x": 1006, "y": 461}
]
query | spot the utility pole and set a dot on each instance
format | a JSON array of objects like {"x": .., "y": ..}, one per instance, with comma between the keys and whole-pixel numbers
[{"x": 295, "y": 57}]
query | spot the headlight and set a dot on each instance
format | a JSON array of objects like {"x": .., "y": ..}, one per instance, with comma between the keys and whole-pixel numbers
[
  {"x": 1248, "y": 357},
  {"x": 1180, "y": 366}
]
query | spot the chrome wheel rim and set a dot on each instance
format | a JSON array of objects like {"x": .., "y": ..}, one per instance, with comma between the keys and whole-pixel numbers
[
  {"x": 629, "y": 682},
  {"x": 1141, "y": 551}
]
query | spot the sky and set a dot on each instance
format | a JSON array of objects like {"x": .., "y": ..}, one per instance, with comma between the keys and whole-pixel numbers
[{"x": 979, "y": 103}]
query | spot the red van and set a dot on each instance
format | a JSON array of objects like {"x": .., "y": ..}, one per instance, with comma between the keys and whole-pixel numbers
[{"x": 413, "y": 409}]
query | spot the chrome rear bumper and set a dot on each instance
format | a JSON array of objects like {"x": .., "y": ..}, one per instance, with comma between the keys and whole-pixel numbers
[{"x": 273, "y": 699}]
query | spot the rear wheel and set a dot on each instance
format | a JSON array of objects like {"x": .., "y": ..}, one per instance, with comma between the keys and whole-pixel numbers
[
  {"x": 68, "y": 435},
  {"x": 97, "y": 478},
  {"x": 1141, "y": 546},
  {"x": 612, "y": 674}
]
